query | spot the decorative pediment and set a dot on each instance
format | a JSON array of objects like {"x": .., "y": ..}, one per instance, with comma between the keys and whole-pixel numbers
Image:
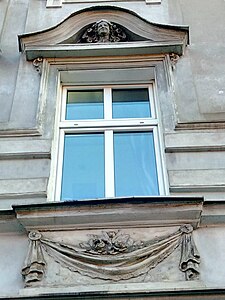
[{"x": 104, "y": 31}]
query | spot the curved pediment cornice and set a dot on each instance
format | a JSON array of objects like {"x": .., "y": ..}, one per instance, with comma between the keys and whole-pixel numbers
[{"x": 68, "y": 34}]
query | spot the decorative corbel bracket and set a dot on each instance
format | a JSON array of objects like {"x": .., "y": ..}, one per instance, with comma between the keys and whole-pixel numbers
[
  {"x": 174, "y": 59},
  {"x": 37, "y": 63}
]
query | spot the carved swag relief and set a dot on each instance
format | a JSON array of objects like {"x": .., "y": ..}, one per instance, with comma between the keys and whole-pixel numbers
[{"x": 113, "y": 255}]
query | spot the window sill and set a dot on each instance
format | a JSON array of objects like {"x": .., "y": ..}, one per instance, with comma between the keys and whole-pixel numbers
[{"x": 116, "y": 212}]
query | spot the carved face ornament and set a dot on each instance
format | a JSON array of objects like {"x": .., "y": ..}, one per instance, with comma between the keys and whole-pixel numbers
[
  {"x": 103, "y": 31},
  {"x": 103, "y": 28}
]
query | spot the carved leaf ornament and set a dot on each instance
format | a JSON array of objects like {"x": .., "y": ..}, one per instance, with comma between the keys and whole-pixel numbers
[
  {"x": 111, "y": 243},
  {"x": 112, "y": 255}
]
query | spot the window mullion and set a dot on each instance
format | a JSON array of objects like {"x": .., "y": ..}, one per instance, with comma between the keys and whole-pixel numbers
[
  {"x": 151, "y": 99},
  {"x": 109, "y": 164},
  {"x": 64, "y": 99},
  {"x": 109, "y": 160},
  {"x": 107, "y": 103}
]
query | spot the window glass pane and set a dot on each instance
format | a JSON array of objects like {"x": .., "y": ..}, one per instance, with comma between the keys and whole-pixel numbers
[
  {"x": 131, "y": 103},
  {"x": 135, "y": 164},
  {"x": 83, "y": 105},
  {"x": 83, "y": 167}
]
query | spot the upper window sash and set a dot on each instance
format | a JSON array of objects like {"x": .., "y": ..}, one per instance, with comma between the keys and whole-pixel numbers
[{"x": 108, "y": 119}]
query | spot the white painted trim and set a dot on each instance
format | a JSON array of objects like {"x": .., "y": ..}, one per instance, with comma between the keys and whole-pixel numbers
[
  {"x": 105, "y": 86},
  {"x": 82, "y": 124},
  {"x": 59, "y": 166},
  {"x": 63, "y": 104},
  {"x": 107, "y": 103},
  {"x": 161, "y": 147},
  {"x": 152, "y": 101},
  {"x": 54, "y": 187},
  {"x": 109, "y": 165},
  {"x": 103, "y": 129},
  {"x": 158, "y": 159},
  {"x": 59, "y": 3},
  {"x": 51, "y": 189}
]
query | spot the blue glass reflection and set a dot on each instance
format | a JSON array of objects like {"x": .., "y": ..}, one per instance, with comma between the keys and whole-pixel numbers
[
  {"x": 131, "y": 103},
  {"x": 84, "y": 105},
  {"x": 83, "y": 167},
  {"x": 135, "y": 164}
]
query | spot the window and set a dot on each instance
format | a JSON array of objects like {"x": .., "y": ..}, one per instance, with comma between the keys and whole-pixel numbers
[{"x": 108, "y": 143}]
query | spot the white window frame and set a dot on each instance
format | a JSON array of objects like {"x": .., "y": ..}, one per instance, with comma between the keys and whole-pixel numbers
[
  {"x": 108, "y": 126},
  {"x": 59, "y": 3}
]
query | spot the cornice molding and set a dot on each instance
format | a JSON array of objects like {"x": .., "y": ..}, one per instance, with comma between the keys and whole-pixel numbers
[
  {"x": 24, "y": 217},
  {"x": 95, "y": 50},
  {"x": 20, "y": 132},
  {"x": 175, "y": 291},
  {"x": 200, "y": 125}
]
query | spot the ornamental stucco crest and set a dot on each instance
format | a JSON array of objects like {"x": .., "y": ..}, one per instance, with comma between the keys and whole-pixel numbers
[{"x": 103, "y": 31}]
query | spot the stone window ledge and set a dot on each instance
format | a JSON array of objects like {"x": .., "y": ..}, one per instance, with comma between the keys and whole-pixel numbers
[{"x": 116, "y": 212}]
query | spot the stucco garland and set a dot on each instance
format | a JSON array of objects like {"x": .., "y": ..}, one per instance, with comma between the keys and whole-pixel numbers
[{"x": 111, "y": 255}]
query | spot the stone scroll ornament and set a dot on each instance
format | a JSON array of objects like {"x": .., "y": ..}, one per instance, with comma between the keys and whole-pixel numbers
[
  {"x": 103, "y": 31},
  {"x": 37, "y": 63},
  {"x": 113, "y": 255}
]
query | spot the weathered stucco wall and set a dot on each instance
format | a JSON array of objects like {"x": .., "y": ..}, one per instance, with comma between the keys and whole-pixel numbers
[
  {"x": 199, "y": 83},
  {"x": 199, "y": 92},
  {"x": 194, "y": 144},
  {"x": 210, "y": 242},
  {"x": 12, "y": 248}
]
